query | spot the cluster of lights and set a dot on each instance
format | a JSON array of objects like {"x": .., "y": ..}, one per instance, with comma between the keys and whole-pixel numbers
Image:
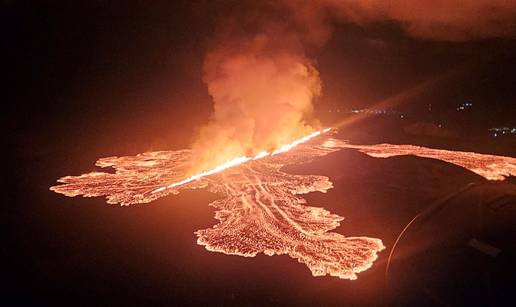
[
  {"x": 464, "y": 106},
  {"x": 369, "y": 111},
  {"x": 502, "y": 131},
  {"x": 378, "y": 112}
]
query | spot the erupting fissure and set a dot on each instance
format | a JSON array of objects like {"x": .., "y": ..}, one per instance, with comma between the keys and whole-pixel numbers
[{"x": 243, "y": 159}]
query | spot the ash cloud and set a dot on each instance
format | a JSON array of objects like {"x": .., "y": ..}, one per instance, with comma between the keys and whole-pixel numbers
[{"x": 263, "y": 80}]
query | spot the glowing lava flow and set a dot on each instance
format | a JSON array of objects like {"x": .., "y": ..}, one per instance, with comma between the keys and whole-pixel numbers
[
  {"x": 260, "y": 210},
  {"x": 488, "y": 166},
  {"x": 239, "y": 160}
]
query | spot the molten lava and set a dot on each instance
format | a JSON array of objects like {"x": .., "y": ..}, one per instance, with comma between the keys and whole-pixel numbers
[
  {"x": 490, "y": 167},
  {"x": 243, "y": 159},
  {"x": 260, "y": 209}
]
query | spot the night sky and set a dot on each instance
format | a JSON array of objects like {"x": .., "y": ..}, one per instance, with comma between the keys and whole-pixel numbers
[{"x": 98, "y": 78}]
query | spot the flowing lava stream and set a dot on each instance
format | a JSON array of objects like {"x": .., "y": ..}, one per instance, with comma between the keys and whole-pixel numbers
[
  {"x": 260, "y": 209},
  {"x": 491, "y": 167}
]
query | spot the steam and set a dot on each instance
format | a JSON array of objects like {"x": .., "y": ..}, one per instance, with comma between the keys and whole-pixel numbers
[
  {"x": 263, "y": 81},
  {"x": 263, "y": 86}
]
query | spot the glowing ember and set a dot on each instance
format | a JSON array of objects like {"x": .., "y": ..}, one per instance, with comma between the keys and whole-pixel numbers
[
  {"x": 488, "y": 166},
  {"x": 259, "y": 210}
]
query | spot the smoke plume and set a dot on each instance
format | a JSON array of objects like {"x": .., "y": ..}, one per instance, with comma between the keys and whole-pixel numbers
[
  {"x": 262, "y": 84},
  {"x": 263, "y": 81},
  {"x": 444, "y": 20}
]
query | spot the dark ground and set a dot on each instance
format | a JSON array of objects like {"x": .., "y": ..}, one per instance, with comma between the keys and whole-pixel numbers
[{"x": 92, "y": 80}]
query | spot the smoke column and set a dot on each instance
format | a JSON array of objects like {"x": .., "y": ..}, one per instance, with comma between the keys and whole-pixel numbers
[
  {"x": 262, "y": 83},
  {"x": 263, "y": 80}
]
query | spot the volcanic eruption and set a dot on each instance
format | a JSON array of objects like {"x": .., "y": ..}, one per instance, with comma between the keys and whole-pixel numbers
[
  {"x": 263, "y": 81},
  {"x": 260, "y": 210}
]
